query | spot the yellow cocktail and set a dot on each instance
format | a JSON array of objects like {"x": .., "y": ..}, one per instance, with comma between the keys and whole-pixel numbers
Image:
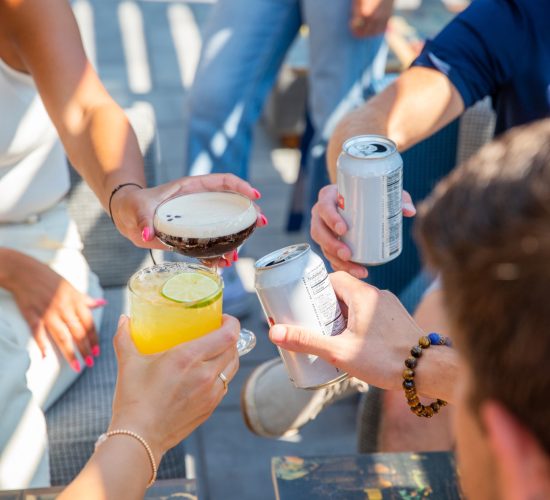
[{"x": 172, "y": 303}]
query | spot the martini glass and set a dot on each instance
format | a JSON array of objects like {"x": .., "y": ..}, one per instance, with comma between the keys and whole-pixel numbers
[{"x": 205, "y": 226}]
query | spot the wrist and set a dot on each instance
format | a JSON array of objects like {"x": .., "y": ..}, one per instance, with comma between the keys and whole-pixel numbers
[
  {"x": 147, "y": 432},
  {"x": 118, "y": 195},
  {"x": 8, "y": 264}
]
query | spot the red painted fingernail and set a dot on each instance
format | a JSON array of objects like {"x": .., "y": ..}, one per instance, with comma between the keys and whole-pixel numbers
[
  {"x": 89, "y": 361},
  {"x": 100, "y": 303},
  {"x": 227, "y": 262},
  {"x": 96, "y": 350},
  {"x": 235, "y": 256},
  {"x": 264, "y": 220},
  {"x": 257, "y": 194},
  {"x": 146, "y": 234},
  {"x": 75, "y": 365}
]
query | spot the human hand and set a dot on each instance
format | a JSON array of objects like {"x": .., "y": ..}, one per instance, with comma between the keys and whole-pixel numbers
[
  {"x": 52, "y": 306},
  {"x": 164, "y": 397},
  {"x": 327, "y": 225},
  {"x": 370, "y": 17},
  {"x": 133, "y": 209},
  {"x": 374, "y": 345}
]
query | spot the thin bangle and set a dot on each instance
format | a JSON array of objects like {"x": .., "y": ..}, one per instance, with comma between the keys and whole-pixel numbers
[
  {"x": 409, "y": 386},
  {"x": 124, "y": 432},
  {"x": 116, "y": 190}
]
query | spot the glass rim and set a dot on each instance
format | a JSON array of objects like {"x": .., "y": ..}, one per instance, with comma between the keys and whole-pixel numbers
[
  {"x": 244, "y": 197},
  {"x": 185, "y": 267}
]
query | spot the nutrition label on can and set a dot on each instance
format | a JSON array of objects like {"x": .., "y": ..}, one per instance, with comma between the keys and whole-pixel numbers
[
  {"x": 323, "y": 298},
  {"x": 392, "y": 229}
]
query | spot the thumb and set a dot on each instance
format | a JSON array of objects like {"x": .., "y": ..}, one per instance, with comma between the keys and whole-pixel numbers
[
  {"x": 298, "y": 339},
  {"x": 123, "y": 343}
]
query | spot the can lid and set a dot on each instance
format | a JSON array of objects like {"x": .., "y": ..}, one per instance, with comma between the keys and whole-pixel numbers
[
  {"x": 281, "y": 256},
  {"x": 369, "y": 146}
]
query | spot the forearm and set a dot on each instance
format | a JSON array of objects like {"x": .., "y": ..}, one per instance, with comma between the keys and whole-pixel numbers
[
  {"x": 106, "y": 152},
  {"x": 119, "y": 468},
  {"x": 417, "y": 104}
]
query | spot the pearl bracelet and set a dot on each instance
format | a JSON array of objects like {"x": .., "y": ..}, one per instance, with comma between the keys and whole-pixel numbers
[{"x": 123, "y": 432}]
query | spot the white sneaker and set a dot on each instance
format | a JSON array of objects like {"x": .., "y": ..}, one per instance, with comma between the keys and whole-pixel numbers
[{"x": 273, "y": 407}]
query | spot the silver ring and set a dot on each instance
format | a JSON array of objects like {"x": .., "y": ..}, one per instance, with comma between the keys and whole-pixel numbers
[{"x": 223, "y": 378}]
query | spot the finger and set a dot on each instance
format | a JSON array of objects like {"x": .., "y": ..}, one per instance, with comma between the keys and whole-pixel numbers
[
  {"x": 78, "y": 333},
  {"x": 229, "y": 370},
  {"x": 95, "y": 303},
  {"x": 62, "y": 337},
  {"x": 228, "y": 182},
  {"x": 298, "y": 339},
  {"x": 213, "y": 344},
  {"x": 326, "y": 208},
  {"x": 122, "y": 341},
  {"x": 40, "y": 336},
  {"x": 409, "y": 210},
  {"x": 356, "y": 270},
  {"x": 327, "y": 240},
  {"x": 87, "y": 321}
]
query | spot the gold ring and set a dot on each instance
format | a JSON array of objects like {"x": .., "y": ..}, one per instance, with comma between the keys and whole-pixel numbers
[{"x": 223, "y": 378}]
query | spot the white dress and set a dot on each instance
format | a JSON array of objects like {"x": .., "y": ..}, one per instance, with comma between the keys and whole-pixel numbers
[{"x": 34, "y": 179}]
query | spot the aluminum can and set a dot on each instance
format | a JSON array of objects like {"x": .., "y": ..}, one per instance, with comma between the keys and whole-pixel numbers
[
  {"x": 294, "y": 288},
  {"x": 370, "y": 183}
]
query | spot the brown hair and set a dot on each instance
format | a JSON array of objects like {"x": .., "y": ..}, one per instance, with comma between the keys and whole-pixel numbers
[{"x": 486, "y": 229}]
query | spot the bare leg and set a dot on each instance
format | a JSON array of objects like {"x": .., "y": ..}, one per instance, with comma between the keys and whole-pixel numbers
[{"x": 401, "y": 430}]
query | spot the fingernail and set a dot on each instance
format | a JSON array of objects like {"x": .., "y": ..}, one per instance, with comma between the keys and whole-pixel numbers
[
  {"x": 264, "y": 220},
  {"x": 146, "y": 234},
  {"x": 343, "y": 254},
  {"x": 235, "y": 256},
  {"x": 227, "y": 262},
  {"x": 340, "y": 229},
  {"x": 89, "y": 361},
  {"x": 277, "y": 333},
  {"x": 96, "y": 350},
  {"x": 100, "y": 303},
  {"x": 75, "y": 365},
  {"x": 257, "y": 194},
  {"x": 121, "y": 320},
  {"x": 359, "y": 274},
  {"x": 409, "y": 207}
]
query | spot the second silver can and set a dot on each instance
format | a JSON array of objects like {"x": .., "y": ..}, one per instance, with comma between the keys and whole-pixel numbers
[
  {"x": 294, "y": 288},
  {"x": 370, "y": 185}
]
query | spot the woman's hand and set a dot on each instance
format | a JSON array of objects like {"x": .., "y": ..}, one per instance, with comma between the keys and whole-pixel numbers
[
  {"x": 133, "y": 209},
  {"x": 164, "y": 397},
  {"x": 327, "y": 226},
  {"x": 370, "y": 17},
  {"x": 52, "y": 306}
]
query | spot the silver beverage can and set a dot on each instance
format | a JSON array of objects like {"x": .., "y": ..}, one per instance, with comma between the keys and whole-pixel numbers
[
  {"x": 294, "y": 288},
  {"x": 370, "y": 183}
]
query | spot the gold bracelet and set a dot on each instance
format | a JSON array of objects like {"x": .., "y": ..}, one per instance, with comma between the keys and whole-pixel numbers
[{"x": 118, "y": 432}]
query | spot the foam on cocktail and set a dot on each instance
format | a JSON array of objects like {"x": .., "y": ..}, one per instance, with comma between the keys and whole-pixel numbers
[
  {"x": 205, "y": 215},
  {"x": 205, "y": 224}
]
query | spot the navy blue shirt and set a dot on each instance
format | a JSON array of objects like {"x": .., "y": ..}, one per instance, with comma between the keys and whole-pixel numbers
[{"x": 498, "y": 48}]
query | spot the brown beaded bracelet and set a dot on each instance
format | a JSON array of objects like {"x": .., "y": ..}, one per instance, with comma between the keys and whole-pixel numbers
[
  {"x": 409, "y": 386},
  {"x": 116, "y": 190}
]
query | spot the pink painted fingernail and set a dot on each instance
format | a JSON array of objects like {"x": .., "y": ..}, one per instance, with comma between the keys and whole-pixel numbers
[
  {"x": 264, "y": 220},
  {"x": 96, "y": 350},
  {"x": 146, "y": 234},
  {"x": 100, "y": 303},
  {"x": 257, "y": 194},
  {"x": 227, "y": 262},
  {"x": 235, "y": 256},
  {"x": 75, "y": 365},
  {"x": 89, "y": 361},
  {"x": 277, "y": 333}
]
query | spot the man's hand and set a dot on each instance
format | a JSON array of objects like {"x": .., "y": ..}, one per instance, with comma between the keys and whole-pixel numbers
[
  {"x": 370, "y": 17},
  {"x": 53, "y": 307},
  {"x": 375, "y": 343},
  {"x": 327, "y": 226}
]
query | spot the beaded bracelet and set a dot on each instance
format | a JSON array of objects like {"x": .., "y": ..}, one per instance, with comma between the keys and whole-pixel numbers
[
  {"x": 409, "y": 386},
  {"x": 115, "y": 191}
]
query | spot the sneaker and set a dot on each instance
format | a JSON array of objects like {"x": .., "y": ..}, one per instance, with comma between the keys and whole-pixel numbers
[
  {"x": 272, "y": 407},
  {"x": 236, "y": 300}
]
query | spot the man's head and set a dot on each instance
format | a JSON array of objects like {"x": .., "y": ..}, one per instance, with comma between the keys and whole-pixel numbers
[{"x": 486, "y": 230}]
